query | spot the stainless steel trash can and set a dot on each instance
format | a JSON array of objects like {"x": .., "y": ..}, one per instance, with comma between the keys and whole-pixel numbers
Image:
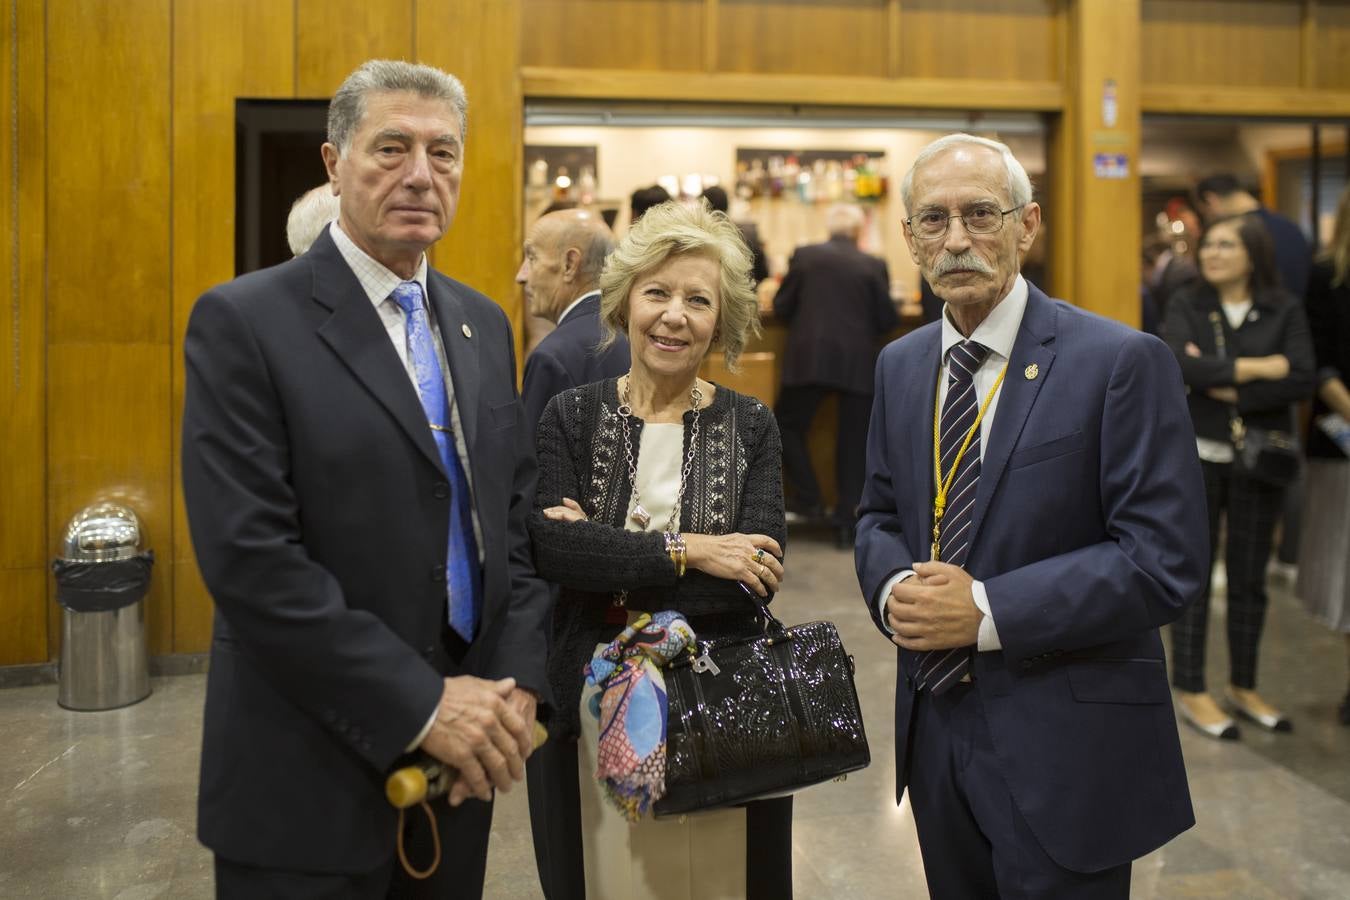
[{"x": 102, "y": 576}]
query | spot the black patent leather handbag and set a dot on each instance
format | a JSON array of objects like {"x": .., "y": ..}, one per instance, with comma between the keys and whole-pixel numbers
[{"x": 760, "y": 716}]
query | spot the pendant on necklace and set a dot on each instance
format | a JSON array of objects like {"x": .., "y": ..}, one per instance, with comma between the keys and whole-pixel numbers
[{"x": 640, "y": 516}]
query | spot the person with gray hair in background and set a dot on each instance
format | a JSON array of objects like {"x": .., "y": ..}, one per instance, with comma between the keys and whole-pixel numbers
[
  {"x": 836, "y": 303},
  {"x": 560, "y": 274},
  {"x": 357, "y": 472},
  {"x": 309, "y": 216}
]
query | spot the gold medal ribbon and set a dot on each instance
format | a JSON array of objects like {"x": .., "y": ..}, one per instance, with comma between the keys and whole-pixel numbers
[{"x": 945, "y": 484}]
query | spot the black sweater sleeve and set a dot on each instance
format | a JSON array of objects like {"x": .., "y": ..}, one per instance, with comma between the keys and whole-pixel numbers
[{"x": 585, "y": 556}]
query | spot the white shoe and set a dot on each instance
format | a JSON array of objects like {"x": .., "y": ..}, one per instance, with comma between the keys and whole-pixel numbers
[
  {"x": 1224, "y": 729},
  {"x": 1276, "y": 722}
]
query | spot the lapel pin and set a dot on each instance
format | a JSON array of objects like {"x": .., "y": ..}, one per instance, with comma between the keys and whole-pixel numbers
[
  {"x": 468, "y": 332},
  {"x": 1031, "y": 372}
]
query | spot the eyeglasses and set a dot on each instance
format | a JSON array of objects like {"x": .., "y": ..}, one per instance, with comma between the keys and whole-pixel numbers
[{"x": 978, "y": 218}]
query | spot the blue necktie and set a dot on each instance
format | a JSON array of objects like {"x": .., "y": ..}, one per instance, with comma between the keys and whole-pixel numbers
[
  {"x": 464, "y": 574},
  {"x": 938, "y": 670}
]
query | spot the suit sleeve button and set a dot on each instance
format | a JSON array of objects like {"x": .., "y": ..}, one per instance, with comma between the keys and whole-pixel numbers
[
  {"x": 441, "y": 490},
  {"x": 438, "y": 573}
]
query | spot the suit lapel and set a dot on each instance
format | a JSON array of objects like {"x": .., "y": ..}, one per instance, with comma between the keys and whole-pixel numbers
[
  {"x": 1016, "y": 398},
  {"x": 920, "y": 396},
  {"x": 461, "y": 352},
  {"x": 358, "y": 337}
]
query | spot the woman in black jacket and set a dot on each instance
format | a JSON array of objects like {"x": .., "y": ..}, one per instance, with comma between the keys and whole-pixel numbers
[
  {"x": 657, "y": 490},
  {"x": 1324, "y": 557},
  {"x": 1245, "y": 352}
]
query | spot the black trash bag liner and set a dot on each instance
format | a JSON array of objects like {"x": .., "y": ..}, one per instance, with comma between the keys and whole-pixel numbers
[{"x": 102, "y": 586}]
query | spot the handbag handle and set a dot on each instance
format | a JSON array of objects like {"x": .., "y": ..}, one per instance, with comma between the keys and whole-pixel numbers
[
  {"x": 1237, "y": 429},
  {"x": 771, "y": 622}
]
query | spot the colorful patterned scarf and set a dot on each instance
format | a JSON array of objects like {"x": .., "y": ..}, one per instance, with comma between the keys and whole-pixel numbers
[{"x": 631, "y": 709}]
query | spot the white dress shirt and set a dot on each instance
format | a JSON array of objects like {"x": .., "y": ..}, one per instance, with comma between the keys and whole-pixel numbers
[{"x": 998, "y": 332}]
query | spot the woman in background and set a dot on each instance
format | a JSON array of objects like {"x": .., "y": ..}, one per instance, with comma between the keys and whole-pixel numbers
[
  {"x": 1243, "y": 346},
  {"x": 1324, "y": 560}
]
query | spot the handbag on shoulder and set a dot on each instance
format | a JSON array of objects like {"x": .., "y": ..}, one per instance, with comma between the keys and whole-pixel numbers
[
  {"x": 1263, "y": 454},
  {"x": 760, "y": 716}
]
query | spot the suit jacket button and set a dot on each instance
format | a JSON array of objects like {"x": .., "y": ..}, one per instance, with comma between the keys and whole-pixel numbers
[
  {"x": 441, "y": 490},
  {"x": 438, "y": 573}
]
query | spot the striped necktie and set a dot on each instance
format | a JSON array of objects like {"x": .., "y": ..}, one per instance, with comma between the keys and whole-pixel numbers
[
  {"x": 938, "y": 670},
  {"x": 463, "y": 573}
]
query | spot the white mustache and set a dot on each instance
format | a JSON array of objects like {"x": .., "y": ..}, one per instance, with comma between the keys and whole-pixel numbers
[{"x": 967, "y": 261}]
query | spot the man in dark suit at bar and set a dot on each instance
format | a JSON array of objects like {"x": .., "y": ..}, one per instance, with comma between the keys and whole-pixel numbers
[
  {"x": 836, "y": 302},
  {"x": 357, "y": 471}
]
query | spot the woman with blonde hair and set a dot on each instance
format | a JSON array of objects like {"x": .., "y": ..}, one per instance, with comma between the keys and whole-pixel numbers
[
  {"x": 1324, "y": 560},
  {"x": 658, "y": 490}
]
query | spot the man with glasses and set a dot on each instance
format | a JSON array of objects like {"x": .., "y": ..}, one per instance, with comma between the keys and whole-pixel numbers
[{"x": 1032, "y": 515}]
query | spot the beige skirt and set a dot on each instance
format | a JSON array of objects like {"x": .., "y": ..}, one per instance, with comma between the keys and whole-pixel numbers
[
  {"x": 696, "y": 857},
  {"x": 1324, "y": 545}
]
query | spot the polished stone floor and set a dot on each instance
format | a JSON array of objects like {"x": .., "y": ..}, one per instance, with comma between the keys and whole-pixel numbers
[{"x": 102, "y": 804}]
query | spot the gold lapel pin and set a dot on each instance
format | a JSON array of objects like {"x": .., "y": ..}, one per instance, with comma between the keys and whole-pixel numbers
[
  {"x": 468, "y": 332},
  {"x": 1031, "y": 372}
]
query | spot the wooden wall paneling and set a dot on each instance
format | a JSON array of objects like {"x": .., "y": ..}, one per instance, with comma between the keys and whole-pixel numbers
[
  {"x": 1105, "y": 216},
  {"x": 1331, "y": 36},
  {"x": 1307, "y": 44},
  {"x": 221, "y": 52},
  {"x": 1221, "y": 42},
  {"x": 333, "y": 37},
  {"x": 108, "y": 428},
  {"x": 803, "y": 37},
  {"x": 478, "y": 42},
  {"x": 1012, "y": 40},
  {"x": 108, "y": 271},
  {"x": 1206, "y": 100},
  {"x": 665, "y": 35},
  {"x": 737, "y": 87},
  {"x": 108, "y": 167},
  {"x": 895, "y": 30},
  {"x": 25, "y": 619}
]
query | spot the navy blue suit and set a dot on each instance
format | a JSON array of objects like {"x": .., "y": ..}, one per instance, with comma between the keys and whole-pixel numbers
[
  {"x": 567, "y": 357},
  {"x": 319, "y": 511},
  {"x": 1088, "y": 533}
]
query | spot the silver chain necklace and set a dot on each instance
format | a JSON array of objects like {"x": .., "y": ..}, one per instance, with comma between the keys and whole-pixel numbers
[{"x": 639, "y": 515}]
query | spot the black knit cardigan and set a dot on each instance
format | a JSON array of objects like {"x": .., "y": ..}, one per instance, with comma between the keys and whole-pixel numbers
[{"x": 734, "y": 485}]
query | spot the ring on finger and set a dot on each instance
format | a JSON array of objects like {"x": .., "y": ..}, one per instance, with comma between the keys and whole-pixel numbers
[{"x": 759, "y": 556}]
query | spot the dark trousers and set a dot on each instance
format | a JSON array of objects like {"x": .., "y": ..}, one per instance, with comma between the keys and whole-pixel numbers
[
  {"x": 1251, "y": 508},
  {"x": 795, "y": 410},
  {"x": 464, "y": 841},
  {"x": 974, "y": 842},
  {"x": 555, "y": 820}
]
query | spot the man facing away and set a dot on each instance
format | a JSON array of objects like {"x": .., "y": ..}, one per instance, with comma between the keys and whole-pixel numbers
[
  {"x": 357, "y": 471},
  {"x": 560, "y": 273},
  {"x": 1034, "y": 728},
  {"x": 836, "y": 302},
  {"x": 309, "y": 216}
]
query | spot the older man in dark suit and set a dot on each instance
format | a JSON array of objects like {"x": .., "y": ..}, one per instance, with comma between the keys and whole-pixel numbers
[
  {"x": 836, "y": 301},
  {"x": 357, "y": 471},
  {"x": 1024, "y": 556},
  {"x": 560, "y": 273}
]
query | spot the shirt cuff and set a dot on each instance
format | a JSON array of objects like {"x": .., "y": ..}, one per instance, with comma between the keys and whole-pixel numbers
[
  {"x": 886, "y": 592},
  {"x": 426, "y": 730},
  {"x": 988, "y": 637}
]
